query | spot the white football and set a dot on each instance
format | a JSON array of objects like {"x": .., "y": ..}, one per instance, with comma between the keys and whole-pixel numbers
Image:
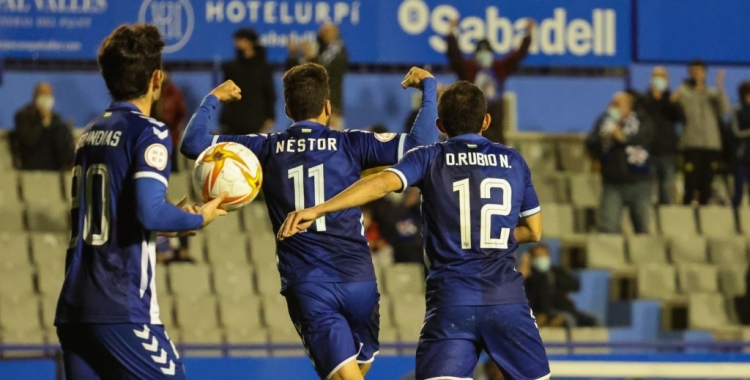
[{"x": 229, "y": 167}]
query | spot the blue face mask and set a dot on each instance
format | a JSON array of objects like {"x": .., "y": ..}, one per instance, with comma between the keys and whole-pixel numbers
[
  {"x": 659, "y": 83},
  {"x": 614, "y": 113},
  {"x": 542, "y": 264},
  {"x": 484, "y": 59}
]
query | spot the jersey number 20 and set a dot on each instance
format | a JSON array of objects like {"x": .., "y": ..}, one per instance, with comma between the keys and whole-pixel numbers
[{"x": 488, "y": 211}]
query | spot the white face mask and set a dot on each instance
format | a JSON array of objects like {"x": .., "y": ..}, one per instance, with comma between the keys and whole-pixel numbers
[
  {"x": 660, "y": 84},
  {"x": 45, "y": 102},
  {"x": 484, "y": 59},
  {"x": 542, "y": 263},
  {"x": 614, "y": 113}
]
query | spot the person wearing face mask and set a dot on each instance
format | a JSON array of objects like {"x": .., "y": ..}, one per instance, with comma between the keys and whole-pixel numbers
[
  {"x": 741, "y": 132},
  {"x": 330, "y": 53},
  {"x": 256, "y": 111},
  {"x": 43, "y": 140},
  {"x": 547, "y": 289},
  {"x": 665, "y": 114},
  {"x": 620, "y": 140},
  {"x": 488, "y": 73}
]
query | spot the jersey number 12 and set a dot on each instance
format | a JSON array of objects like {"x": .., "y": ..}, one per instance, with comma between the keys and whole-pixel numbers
[{"x": 488, "y": 211}]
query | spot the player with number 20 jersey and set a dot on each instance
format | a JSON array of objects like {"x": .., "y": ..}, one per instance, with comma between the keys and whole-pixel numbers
[{"x": 478, "y": 205}]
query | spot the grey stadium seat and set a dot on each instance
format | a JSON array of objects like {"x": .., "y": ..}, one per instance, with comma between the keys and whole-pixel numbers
[
  {"x": 190, "y": 280},
  {"x": 267, "y": 279},
  {"x": 585, "y": 190},
  {"x": 255, "y": 217},
  {"x": 554, "y": 335},
  {"x": 179, "y": 186},
  {"x": 15, "y": 249},
  {"x": 16, "y": 281},
  {"x": 539, "y": 155},
  {"x": 19, "y": 317},
  {"x": 644, "y": 249},
  {"x": 227, "y": 247},
  {"x": 558, "y": 220},
  {"x": 275, "y": 312},
  {"x": 590, "y": 335},
  {"x": 48, "y": 216},
  {"x": 677, "y": 221},
  {"x": 50, "y": 279},
  {"x": 404, "y": 278},
  {"x": 574, "y": 157},
  {"x": 49, "y": 307},
  {"x": 731, "y": 250},
  {"x": 262, "y": 247},
  {"x": 197, "y": 247},
  {"x": 551, "y": 188},
  {"x": 198, "y": 320},
  {"x": 688, "y": 249},
  {"x": 226, "y": 224},
  {"x": 167, "y": 312},
  {"x": 717, "y": 221},
  {"x": 696, "y": 278},
  {"x": 39, "y": 185},
  {"x": 408, "y": 315},
  {"x": 707, "y": 311},
  {"x": 744, "y": 217},
  {"x": 233, "y": 279},
  {"x": 12, "y": 211},
  {"x": 657, "y": 281},
  {"x": 9, "y": 187},
  {"x": 732, "y": 280},
  {"x": 49, "y": 248},
  {"x": 240, "y": 312},
  {"x": 606, "y": 251}
]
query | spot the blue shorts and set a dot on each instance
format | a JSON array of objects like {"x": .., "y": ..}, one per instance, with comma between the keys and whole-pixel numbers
[
  {"x": 338, "y": 322},
  {"x": 118, "y": 351},
  {"x": 453, "y": 338}
]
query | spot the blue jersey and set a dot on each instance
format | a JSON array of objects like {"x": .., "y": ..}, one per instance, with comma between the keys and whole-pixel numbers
[
  {"x": 109, "y": 275},
  {"x": 473, "y": 193}
]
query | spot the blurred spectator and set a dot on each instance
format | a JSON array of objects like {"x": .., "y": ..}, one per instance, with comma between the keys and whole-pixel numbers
[
  {"x": 332, "y": 54},
  {"x": 170, "y": 109},
  {"x": 665, "y": 115},
  {"x": 620, "y": 141},
  {"x": 400, "y": 225},
  {"x": 43, "y": 140},
  {"x": 488, "y": 73},
  {"x": 255, "y": 112},
  {"x": 742, "y": 303},
  {"x": 701, "y": 142},
  {"x": 741, "y": 130},
  {"x": 547, "y": 289}
]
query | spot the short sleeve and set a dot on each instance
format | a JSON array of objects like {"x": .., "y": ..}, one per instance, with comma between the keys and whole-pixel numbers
[
  {"x": 377, "y": 149},
  {"x": 255, "y": 142},
  {"x": 152, "y": 153},
  {"x": 412, "y": 168},
  {"x": 530, "y": 204}
]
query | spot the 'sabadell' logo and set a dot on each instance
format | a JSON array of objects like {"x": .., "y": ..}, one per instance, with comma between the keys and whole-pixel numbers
[{"x": 174, "y": 18}]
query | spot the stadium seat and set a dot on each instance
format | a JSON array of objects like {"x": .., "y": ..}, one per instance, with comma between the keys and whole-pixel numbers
[
  {"x": 49, "y": 248},
  {"x": 732, "y": 280},
  {"x": 197, "y": 247},
  {"x": 9, "y": 188},
  {"x": 551, "y": 188},
  {"x": 198, "y": 321},
  {"x": 167, "y": 312},
  {"x": 227, "y": 247},
  {"x": 15, "y": 249},
  {"x": 574, "y": 157},
  {"x": 288, "y": 336},
  {"x": 12, "y": 211},
  {"x": 389, "y": 335},
  {"x": 41, "y": 185},
  {"x": 657, "y": 281},
  {"x": 688, "y": 249},
  {"x": 48, "y": 216},
  {"x": 408, "y": 315},
  {"x": 16, "y": 281},
  {"x": 229, "y": 224},
  {"x": 729, "y": 250},
  {"x": 50, "y": 279},
  {"x": 590, "y": 335},
  {"x": 386, "y": 312},
  {"x": 558, "y": 220},
  {"x": 554, "y": 335},
  {"x": 197, "y": 336},
  {"x": 645, "y": 249},
  {"x": 697, "y": 278},
  {"x": 246, "y": 336},
  {"x": 707, "y": 311},
  {"x": 19, "y": 317},
  {"x": 539, "y": 155},
  {"x": 233, "y": 279},
  {"x": 179, "y": 186},
  {"x": 255, "y": 217},
  {"x": 67, "y": 178},
  {"x": 262, "y": 247},
  {"x": 190, "y": 280},
  {"x": 161, "y": 281},
  {"x": 717, "y": 221},
  {"x": 605, "y": 251},
  {"x": 275, "y": 312},
  {"x": 240, "y": 312},
  {"x": 585, "y": 190},
  {"x": 267, "y": 279},
  {"x": 49, "y": 308},
  {"x": 744, "y": 218},
  {"x": 404, "y": 278},
  {"x": 677, "y": 221}
]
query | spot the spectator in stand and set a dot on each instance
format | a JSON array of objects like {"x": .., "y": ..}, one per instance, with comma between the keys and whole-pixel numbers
[
  {"x": 332, "y": 54},
  {"x": 547, "y": 289},
  {"x": 621, "y": 140},
  {"x": 741, "y": 131},
  {"x": 701, "y": 142},
  {"x": 255, "y": 112},
  {"x": 488, "y": 73},
  {"x": 42, "y": 139},
  {"x": 170, "y": 109},
  {"x": 665, "y": 115}
]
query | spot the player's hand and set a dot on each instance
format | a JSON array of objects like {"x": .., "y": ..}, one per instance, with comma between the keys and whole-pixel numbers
[
  {"x": 530, "y": 26},
  {"x": 453, "y": 24},
  {"x": 212, "y": 209},
  {"x": 297, "y": 221},
  {"x": 182, "y": 205},
  {"x": 720, "y": 76},
  {"x": 414, "y": 77},
  {"x": 676, "y": 95},
  {"x": 227, "y": 92}
]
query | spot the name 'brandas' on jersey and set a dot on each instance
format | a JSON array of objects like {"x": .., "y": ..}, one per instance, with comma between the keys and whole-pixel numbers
[{"x": 99, "y": 138}]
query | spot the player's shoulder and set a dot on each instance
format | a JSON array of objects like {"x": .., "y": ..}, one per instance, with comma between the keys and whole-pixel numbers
[
  {"x": 362, "y": 134},
  {"x": 145, "y": 126}
]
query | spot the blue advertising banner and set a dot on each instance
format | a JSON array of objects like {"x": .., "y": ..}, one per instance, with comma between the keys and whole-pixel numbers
[
  {"x": 675, "y": 31},
  {"x": 570, "y": 33}
]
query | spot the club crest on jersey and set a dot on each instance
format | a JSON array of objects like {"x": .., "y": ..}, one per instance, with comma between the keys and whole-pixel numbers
[
  {"x": 385, "y": 137},
  {"x": 157, "y": 156}
]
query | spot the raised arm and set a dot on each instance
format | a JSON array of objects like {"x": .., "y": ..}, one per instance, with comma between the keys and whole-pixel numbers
[
  {"x": 423, "y": 131},
  {"x": 196, "y": 137},
  {"x": 509, "y": 64}
]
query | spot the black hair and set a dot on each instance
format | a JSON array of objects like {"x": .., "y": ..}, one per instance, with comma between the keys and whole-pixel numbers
[
  {"x": 306, "y": 91},
  {"x": 483, "y": 44},
  {"x": 128, "y": 58},
  {"x": 744, "y": 90},
  {"x": 462, "y": 108},
  {"x": 246, "y": 34},
  {"x": 698, "y": 63}
]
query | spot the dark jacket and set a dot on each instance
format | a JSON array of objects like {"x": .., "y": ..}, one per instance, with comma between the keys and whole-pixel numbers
[
  {"x": 665, "y": 115},
  {"x": 335, "y": 59},
  {"x": 622, "y": 162},
  {"x": 42, "y": 147},
  {"x": 548, "y": 291},
  {"x": 741, "y": 132},
  {"x": 248, "y": 115}
]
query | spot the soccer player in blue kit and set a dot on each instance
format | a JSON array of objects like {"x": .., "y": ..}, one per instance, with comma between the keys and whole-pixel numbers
[
  {"x": 327, "y": 273},
  {"x": 478, "y": 205},
  {"x": 107, "y": 315}
]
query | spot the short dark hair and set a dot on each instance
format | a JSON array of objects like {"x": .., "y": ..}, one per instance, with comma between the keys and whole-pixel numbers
[
  {"x": 744, "y": 90},
  {"x": 483, "y": 44},
  {"x": 306, "y": 91},
  {"x": 128, "y": 58},
  {"x": 462, "y": 108},
  {"x": 246, "y": 34},
  {"x": 698, "y": 63}
]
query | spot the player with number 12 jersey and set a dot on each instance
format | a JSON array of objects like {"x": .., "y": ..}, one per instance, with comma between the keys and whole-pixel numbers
[{"x": 478, "y": 204}]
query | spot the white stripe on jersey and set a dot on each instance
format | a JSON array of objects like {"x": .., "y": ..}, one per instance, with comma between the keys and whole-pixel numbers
[
  {"x": 401, "y": 141},
  {"x": 400, "y": 176},
  {"x": 154, "y": 307},
  {"x": 214, "y": 140},
  {"x": 531, "y": 212},
  {"x": 152, "y": 175},
  {"x": 144, "y": 268}
]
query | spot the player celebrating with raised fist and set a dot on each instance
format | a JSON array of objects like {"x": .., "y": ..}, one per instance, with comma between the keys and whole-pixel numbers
[
  {"x": 107, "y": 315},
  {"x": 478, "y": 205},
  {"x": 327, "y": 273}
]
